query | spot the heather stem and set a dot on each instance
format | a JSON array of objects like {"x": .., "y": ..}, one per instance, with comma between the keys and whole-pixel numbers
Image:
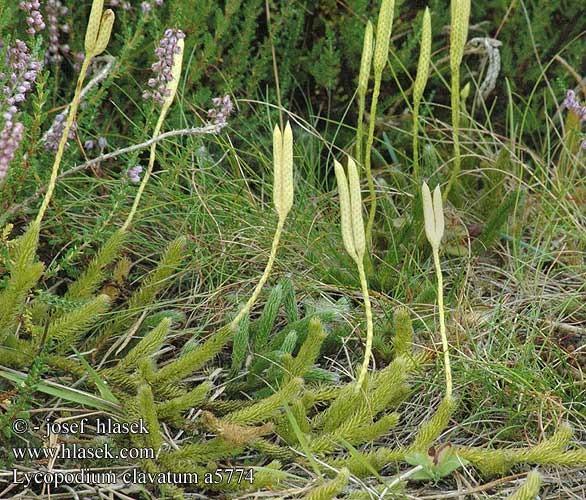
[{"x": 64, "y": 137}]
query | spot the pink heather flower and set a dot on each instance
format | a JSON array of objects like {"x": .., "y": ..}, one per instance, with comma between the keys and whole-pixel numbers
[
  {"x": 134, "y": 174},
  {"x": 56, "y": 13},
  {"x": 78, "y": 58},
  {"x": 34, "y": 18},
  {"x": 573, "y": 105},
  {"x": 23, "y": 73},
  {"x": 120, "y": 3},
  {"x": 53, "y": 135},
  {"x": 162, "y": 69},
  {"x": 219, "y": 114},
  {"x": 10, "y": 139}
]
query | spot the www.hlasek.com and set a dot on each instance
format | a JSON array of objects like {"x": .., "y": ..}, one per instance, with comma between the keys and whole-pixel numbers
[
  {"x": 56, "y": 478},
  {"x": 74, "y": 451}
]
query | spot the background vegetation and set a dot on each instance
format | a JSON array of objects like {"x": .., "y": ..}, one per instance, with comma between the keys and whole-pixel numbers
[{"x": 513, "y": 251}]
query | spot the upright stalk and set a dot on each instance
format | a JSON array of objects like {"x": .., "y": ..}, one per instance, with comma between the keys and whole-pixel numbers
[
  {"x": 63, "y": 141},
  {"x": 263, "y": 279},
  {"x": 369, "y": 325},
  {"x": 433, "y": 212},
  {"x": 419, "y": 86},
  {"x": 363, "y": 78},
  {"x": 455, "y": 104},
  {"x": 460, "y": 14},
  {"x": 440, "y": 304},
  {"x": 367, "y": 155},
  {"x": 97, "y": 36},
  {"x": 147, "y": 174},
  {"x": 381, "y": 56}
]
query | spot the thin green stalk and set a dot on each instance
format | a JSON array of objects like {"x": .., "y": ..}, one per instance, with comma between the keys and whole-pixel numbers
[
  {"x": 265, "y": 275},
  {"x": 455, "y": 102},
  {"x": 440, "y": 304},
  {"x": 363, "y": 79},
  {"x": 147, "y": 174},
  {"x": 360, "y": 126},
  {"x": 367, "y": 155},
  {"x": 369, "y": 327},
  {"x": 64, "y": 137},
  {"x": 416, "y": 143}
]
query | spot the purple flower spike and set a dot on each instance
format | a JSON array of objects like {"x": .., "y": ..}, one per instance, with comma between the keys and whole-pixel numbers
[
  {"x": 219, "y": 114},
  {"x": 573, "y": 105},
  {"x": 10, "y": 139},
  {"x": 56, "y": 15},
  {"x": 53, "y": 135},
  {"x": 34, "y": 18},
  {"x": 162, "y": 69},
  {"x": 23, "y": 73}
]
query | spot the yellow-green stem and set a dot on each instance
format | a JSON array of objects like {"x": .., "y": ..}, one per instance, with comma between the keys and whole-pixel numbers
[
  {"x": 64, "y": 137},
  {"x": 369, "y": 327},
  {"x": 455, "y": 101},
  {"x": 263, "y": 278},
  {"x": 147, "y": 174},
  {"x": 440, "y": 304},
  {"x": 367, "y": 155},
  {"x": 360, "y": 125},
  {"x": 416, "y": 143}
]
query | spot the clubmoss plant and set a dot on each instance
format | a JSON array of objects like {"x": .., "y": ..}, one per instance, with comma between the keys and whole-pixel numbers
[
  {"x": 433, "y": 213},
  {"x": 419, "y": 86},
  {"x": 529, "y": 490},
  {"x": 381, "y": 55},
  {"x": 355, "y": 243},
  {"x": 97, "y": 37},
  {"x": 283, "y": 191},
  {"x": 460, "y": 15},
  {"x": 363, "y": 79}
]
